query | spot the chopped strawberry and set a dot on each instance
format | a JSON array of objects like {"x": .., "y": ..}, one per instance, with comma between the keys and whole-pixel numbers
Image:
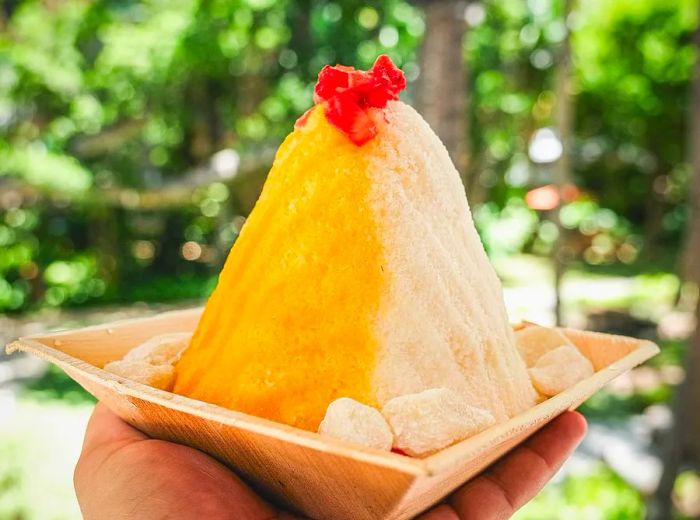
[
  {"x": 331, "y": 81},
  {"x": 353, "y": 97},
  {"x": 390, "y": 75},
  {"x": 345, "y": 113}
]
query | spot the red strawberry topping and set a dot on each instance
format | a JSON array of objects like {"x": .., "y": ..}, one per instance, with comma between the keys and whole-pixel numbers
[{"x": 353, "y": 99}]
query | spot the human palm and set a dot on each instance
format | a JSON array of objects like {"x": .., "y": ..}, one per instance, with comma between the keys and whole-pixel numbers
[{"x": 123, "y": 474}]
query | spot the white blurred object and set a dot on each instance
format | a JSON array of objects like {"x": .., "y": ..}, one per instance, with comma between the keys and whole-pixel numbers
[
  {"x": 225, "y": 163},
  {"x": 8, "y": 406},
  {"x": 474, "y": 14},
  {"x": 545, "y": 146},
  {"x": 628, "y": 449}
]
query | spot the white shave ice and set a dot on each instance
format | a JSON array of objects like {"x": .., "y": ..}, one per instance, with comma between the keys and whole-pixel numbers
[{"x": 443, "y": 322}]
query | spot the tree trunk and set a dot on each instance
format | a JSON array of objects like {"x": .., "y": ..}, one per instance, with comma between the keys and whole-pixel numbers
[
  {"x": 690, "y": 267},
  {"x": 442, "y": 85},
  {"x": 683, "y": 439},
  {"x": 106, "y": 241},
  {"x": 7, "y": 9},
  {"x": 692, "y": 433},
  {"x": 692, "y": 260},
  {"x": 563, "y": 120},
  {"x": 654, "y": 208}
]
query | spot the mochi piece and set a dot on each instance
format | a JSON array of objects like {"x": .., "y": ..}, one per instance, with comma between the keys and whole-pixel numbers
[
  {"x": 157, "y": 376},
  {"x": 164, "y": 349},
  {"x": 534, "y": 341},
  {"x": 430, "y": 420},
  {"x": 152, "y": 362},
  {"x": 560, "y": 369},
  {"x": 353, "y": 421}
]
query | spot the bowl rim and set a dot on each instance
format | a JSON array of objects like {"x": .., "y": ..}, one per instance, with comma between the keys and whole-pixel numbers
[{"x": 436, "y": 463}]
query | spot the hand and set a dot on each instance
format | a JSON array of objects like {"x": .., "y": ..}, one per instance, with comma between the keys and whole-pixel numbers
[
  {"x": 515, "y": 479},
  {"x": 123, "y": 474}
]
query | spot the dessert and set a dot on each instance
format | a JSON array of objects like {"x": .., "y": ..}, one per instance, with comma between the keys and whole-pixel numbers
[
  {"x": 358, "y": 300},
  {"x": 356, "y": 422},
  {"x": 152, "y": 361},
  {"x": 358, "y": 274},
  {"x": 559, "y": 369},
  {"x": 427, "y": 421},
  {"x": 554, "y": 362},
  {"x": 533, "y": 341}
]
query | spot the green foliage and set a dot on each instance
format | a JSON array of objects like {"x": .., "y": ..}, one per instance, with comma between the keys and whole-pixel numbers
[
  {"x": 38, "y": 450},
  {"x": 610, "y": 406},
  {"x": 648, "y": 295},
  {"x": 51, "y": 171},
  {"x": 505, "y": 230},
  {"x": 100, "y": 97},
  {"x": 104, "y": 95},
  {"x": 672, "y": 353},
  {"x": 190, "y": 76},
  {"x": 171, "y": 288},
  {"x": 633, "y": 63},
  {"x": 55, "y": 384},
  {"x": 597, "y": 495},
  {"x": 686, "y": 492}
]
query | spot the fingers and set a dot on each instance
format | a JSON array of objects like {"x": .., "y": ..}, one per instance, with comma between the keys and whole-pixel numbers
[
  {"x": 441, "y": 512},
  {"x": 124, "y": 474},
  {"x": 517, "y": 478},
  {"x": 106, "y": 428},
  {"x": 105, "y": 434},
  {"x": 514, "y": 480}
]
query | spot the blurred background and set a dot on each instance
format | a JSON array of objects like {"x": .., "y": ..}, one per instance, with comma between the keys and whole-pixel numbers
[{"x": 135, "y": 137}]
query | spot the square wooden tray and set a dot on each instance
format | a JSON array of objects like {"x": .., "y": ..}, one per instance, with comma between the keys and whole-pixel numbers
[{"x": 320, "y": 477}]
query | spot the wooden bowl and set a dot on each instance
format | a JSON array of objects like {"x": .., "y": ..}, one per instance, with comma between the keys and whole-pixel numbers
[{"x": 317, "y": 476}]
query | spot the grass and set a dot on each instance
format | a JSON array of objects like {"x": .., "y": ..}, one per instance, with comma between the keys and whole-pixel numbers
[
  {"x": 40, "y": 438},
  {"x": 39, "y": 446},
  {"x": 597, "y": 495}
]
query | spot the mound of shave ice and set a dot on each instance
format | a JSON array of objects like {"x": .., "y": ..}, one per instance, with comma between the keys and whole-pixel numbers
[
  {"x": 359, "y": 274},
  {"x": 358, "y": 300}
]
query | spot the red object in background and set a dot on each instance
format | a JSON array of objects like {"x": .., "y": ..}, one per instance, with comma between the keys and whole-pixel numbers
[
  {"x": 543, "y": 198},
  {"x": 548, "y": 197},
  {"x": 570, "y": 192},
  {"x": 353, "y": 98}
]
